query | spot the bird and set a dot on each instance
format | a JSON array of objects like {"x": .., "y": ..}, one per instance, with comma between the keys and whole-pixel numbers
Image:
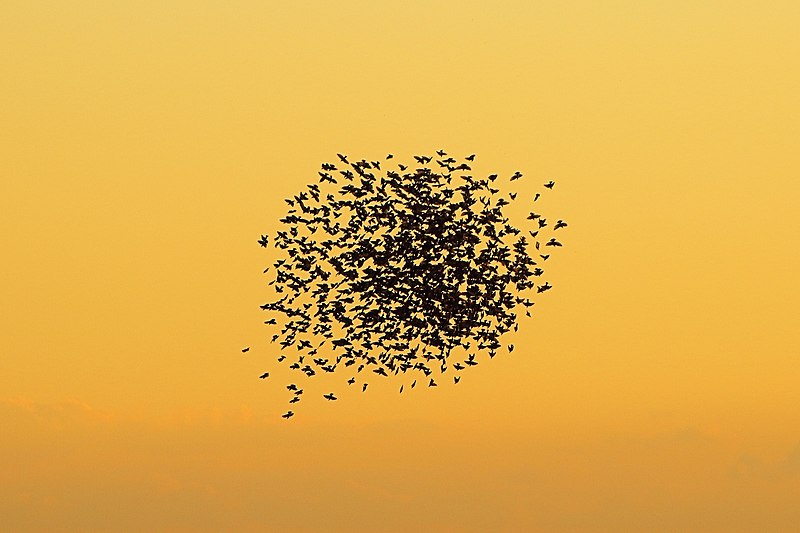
[
  {"x": 550, "y": 184},
  {"x": 288, "y": 415},
  {"x": 245, "y": 350},
  {"x": 265, "y": 375},
  {"x": 263, "y": 241},
  {"x": 544, "y": 287},
  {"x": 391, "y": 270}
]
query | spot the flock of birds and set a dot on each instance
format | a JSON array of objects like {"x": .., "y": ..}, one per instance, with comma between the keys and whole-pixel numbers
[{"x": 413, "y": 270}]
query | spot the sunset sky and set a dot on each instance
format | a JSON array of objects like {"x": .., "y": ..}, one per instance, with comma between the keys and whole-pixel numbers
[{"x": 145, "y": 146}]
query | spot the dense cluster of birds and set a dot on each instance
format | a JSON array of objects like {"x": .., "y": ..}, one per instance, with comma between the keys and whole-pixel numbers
[{"x": 390, "y": 269}]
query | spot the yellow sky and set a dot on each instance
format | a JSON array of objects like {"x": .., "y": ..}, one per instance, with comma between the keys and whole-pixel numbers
[{"x": 144, "y": 147}]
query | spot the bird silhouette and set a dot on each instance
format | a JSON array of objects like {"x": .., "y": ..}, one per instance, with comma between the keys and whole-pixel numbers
[
  {"x": 288, "y": 415},
  {"x": 265, "y": 375},
  {"x": 409, "y": 271},
  {"x": 245, "y": 350}
]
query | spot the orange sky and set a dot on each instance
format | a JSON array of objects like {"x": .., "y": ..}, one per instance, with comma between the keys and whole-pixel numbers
[{"x": 146, "y": 145}]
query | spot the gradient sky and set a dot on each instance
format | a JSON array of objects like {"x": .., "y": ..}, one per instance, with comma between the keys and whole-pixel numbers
[{"x": 144, "y": 147}]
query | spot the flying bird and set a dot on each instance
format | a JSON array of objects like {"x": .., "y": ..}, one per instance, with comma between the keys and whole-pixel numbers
[
  {"x": 391, "y": 271},
  {"x": 544, "y": 287}
]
